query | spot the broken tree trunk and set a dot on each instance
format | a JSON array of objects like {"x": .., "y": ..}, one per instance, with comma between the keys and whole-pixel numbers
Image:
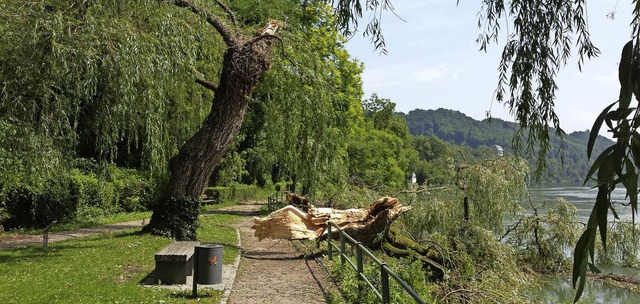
[
  {"x": 365, "y": 225},
  {"x": 370, "y": 226}
]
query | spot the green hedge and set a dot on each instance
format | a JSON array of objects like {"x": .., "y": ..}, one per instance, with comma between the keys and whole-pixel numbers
[
  {"x": 88, "y": 191},
  {"x": 28, "y": 208},
  {"x": 239, "y": 193}
]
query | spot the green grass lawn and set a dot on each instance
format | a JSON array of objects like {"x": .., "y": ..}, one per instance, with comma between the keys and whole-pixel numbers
[
  {"x": 112, "y": 219},
  {"x": 107, "y": 268}
]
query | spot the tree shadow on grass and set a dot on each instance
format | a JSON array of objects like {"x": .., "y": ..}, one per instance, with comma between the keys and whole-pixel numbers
[
  {"x": 233, "y": 212},
  {"x": 215, "y": 295},
  {"x": 278, "y": 255},
  {"x": 35, "y": 252}
]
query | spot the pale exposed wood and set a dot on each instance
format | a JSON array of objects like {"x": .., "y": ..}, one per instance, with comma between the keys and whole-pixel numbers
[{"x": 364, "y": 224}]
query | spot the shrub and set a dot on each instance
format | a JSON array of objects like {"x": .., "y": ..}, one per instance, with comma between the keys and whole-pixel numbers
[
  {"x": 28, "y": 208},
  {"x": 175, "y": 217},
  {"x": 237, "y": 193},
  {"x": 87, "y": 192}
]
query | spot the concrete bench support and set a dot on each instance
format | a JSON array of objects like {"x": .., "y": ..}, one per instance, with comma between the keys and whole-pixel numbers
[{"x": 175, "y": 262}]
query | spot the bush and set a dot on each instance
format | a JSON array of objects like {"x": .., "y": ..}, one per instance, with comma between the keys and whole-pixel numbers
[
  {"x": 217, "y": 195},
  {"x": 111, "y": 189},
  {"x": 87, "y": 192},
  {"x": 176, "y": 217},
  {"x": 27, "y": 208}
]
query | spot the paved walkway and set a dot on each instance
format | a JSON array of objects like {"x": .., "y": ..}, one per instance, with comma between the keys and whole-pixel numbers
[
  {"x": 16, "y": 241},
  {"x": 273, "y": 271}
]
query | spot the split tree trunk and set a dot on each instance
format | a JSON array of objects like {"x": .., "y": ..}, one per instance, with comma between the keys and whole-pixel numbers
[
  {"x": 371, "y": 226},
  {"x": 365, "y": 225},
  {"x": 245, "y": 61},
  {"x": 242, "y": 67}
]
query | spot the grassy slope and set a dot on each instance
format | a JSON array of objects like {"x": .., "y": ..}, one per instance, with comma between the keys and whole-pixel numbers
[{"x": 101, "y": 269}]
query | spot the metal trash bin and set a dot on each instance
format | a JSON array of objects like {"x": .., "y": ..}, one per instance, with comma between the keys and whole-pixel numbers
[{"x": 208, "y": 264}]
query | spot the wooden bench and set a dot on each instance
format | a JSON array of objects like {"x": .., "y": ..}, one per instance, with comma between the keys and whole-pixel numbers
[{"x": 175, "y": 262}]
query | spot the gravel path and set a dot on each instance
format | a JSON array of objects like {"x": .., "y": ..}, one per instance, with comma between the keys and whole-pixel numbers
[
  {"x": 273, "y": 271},
  {"x": 15, "y": 241}
]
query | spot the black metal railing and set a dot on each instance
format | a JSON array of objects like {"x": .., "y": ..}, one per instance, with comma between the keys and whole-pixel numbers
[
  {"x": 382, "y": 293},
  {"x": 275, "y": 201}
]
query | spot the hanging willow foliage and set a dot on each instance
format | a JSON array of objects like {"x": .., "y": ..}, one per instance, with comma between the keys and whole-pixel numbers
[{"x": 106, "y": 76}]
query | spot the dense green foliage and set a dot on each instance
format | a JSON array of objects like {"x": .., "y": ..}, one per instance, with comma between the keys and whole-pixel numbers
[
  {"x": 542, "y": 239},
  {"x": 90, "y": 191},
  {"x": 105, "y": 80},
  {"x": 178, "y": 217},
  {"x": 567, "y": 162},
  {"x": 480, "y": 268}
]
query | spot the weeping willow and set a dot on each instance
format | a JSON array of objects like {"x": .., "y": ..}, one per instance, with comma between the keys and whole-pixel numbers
[{"x": 105, "y": 78}]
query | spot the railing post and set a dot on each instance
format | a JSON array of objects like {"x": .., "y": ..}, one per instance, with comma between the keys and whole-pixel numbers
[
  {"x": 342, "y": 254},
  {"x": 329, "y": 247},
  {"x": 359, "y": 265},
  {"x": 384, "y": 280}
]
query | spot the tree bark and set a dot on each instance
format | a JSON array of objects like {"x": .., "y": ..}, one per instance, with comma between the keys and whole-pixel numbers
[
  {"x": 243, "y": 64},
  {"x": 198, "y": 157}
]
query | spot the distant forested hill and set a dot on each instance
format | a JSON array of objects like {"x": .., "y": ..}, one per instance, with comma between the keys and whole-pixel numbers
[{"x": 457, "y": 128}]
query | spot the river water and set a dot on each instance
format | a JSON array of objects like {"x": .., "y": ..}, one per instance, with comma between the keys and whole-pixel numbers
[
  {"x": 558, "y": 290},
  {"x": 583, "y": 198}
]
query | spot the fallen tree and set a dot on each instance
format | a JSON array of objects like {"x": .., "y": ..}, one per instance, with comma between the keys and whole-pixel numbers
[{"x": 369, "y": 226}]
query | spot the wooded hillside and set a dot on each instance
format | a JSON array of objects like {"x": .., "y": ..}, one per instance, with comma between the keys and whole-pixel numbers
[{"x": 459, "y": 129}]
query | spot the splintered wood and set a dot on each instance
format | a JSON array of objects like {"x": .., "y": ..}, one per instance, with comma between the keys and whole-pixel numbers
[{"x": 291, "y": 223}]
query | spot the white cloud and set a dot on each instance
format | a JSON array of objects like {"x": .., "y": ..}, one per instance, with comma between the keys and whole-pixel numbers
[{"x": 436, "y": 73}]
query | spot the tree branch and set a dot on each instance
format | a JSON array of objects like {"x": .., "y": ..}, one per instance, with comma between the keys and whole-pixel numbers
[
  {"x": 232, "y": 16},
  {"x": 219, "y": 25},
  {"x": 258, "y": 38},
  {"x": 199, "y": 77},
  {"x": 206, "y": 84}
]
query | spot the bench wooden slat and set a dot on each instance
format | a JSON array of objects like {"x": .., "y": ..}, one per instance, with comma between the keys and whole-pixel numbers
[{"x": 176, "y": 251}]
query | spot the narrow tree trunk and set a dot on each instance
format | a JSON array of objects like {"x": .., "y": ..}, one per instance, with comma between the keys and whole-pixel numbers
[{"x": 191, "y": 168}]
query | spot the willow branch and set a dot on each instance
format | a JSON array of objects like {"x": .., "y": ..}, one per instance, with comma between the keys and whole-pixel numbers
[
  {"x": 230, "y": 13},
  {"x": 206, "y": 84},
  {"x": 199, "y": 77},
  {"x": 214, "y": 21}
]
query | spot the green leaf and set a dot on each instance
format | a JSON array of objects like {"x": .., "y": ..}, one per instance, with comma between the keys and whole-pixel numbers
[
  {"x": 624, "y": 69},
  {"x": 580, "y": 262},
  {"x": 580, "y": 256},
  {"x": 616, "y": 159},
  {"x": 613, "y": 211},
  {"x": 624, "y": 75},
  {"x": 601, "y": 208},
  {"x": 580, "y": 286},
  {"x": 635, "y": 147},
  {"x": 630, "y": 182},
  {"x": 593, "y": 268},
  {"x": 605, "y": 172},
  {"x": 597, "y": 124},
  {"x": 596, "y": 164},
  {"x": 619, "y": 113},
  {"x": 584, "y": 245}
]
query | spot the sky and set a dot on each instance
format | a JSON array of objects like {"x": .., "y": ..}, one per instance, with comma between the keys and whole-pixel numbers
[{"x": 434, "y": 62}]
